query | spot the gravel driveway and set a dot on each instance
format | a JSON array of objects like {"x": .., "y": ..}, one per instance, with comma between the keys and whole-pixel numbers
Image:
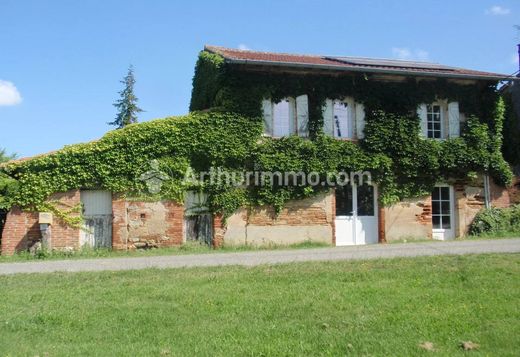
[{"x": 511, "y": 245}]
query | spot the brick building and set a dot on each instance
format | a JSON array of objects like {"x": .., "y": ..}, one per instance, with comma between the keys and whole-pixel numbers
[{"x": 352, "y": 215}]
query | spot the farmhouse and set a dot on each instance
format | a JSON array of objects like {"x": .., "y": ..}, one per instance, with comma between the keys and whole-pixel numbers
[{"x": 429, "y": 135}]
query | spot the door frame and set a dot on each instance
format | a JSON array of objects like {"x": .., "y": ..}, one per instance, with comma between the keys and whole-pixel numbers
[
  {"x": 88, "y": 236},
  {"x": 441, "y": 233},
  {"x": 355, "y": 218}
]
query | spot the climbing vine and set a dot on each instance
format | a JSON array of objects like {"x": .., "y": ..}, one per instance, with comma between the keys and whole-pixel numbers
[{"x": 225, "y": 130}]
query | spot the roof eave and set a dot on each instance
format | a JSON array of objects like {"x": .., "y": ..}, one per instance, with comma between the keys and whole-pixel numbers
[{"x": 369, "y": 70}]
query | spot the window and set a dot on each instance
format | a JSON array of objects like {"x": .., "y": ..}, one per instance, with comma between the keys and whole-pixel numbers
[
  {"x": 344, "y": 201},
  {"x": 441, "y": 208},
  {"x": 290, "y": 116},
  {"x": 434, "y": 121},
  {"x": 342, "y": 120},
  {"x": 282, "y": 118},
  {"x": 365, "y": 200},
  {"x": 340, "y": 117}
]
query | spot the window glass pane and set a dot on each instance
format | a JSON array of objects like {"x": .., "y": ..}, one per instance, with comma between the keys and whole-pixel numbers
[
  {"x": 435, "y": 193},
  {"x": 436, "y": 207},
  {"x": 446, "y": 222},
  {"x": 436, "y": 221},
  {"x": 344, "y": 201},
  {"x": 445, "y": 207},
  {"x": 437, "y": 134},
  {"x": 445, "y": 193},
  {"x": 365, "y": 200},
  {"x": 281, "y": 117},
  {"x": 341, "y": 120}
]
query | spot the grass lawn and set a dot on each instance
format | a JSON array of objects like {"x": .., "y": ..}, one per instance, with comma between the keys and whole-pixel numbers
[
  {"x": 379, "y": 307},
  {"x": 186, "y": 248}
]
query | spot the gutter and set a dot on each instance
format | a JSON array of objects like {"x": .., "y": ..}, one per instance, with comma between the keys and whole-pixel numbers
[{"x": 367, "y": 70}]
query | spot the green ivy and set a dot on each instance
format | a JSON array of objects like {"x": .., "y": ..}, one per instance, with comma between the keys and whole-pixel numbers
[
  {"x": 392, "y": 126},
  {"x": 229, "y": 136}
]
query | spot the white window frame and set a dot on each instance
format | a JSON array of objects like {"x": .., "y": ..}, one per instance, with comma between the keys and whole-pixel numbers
[
  {"x": 353, "y": 111},
  {"x": 349, "y": 102},
  {"x": 429, "y": 113},
  {"x": 293, "y": 120},
  {"x": 291, "y": 116},
  {"x": 444, "y": 233}
]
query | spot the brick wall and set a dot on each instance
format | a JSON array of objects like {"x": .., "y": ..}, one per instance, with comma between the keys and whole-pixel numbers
[
  {"x": 514, "y": 191},
  {"x": 135, "y": 225},
  {"x": 139, "y": 224},
  {"x": 219, "y": 231},
  {"x": 409, "y": 219},
  {"x": 22, "y": 229},
  {"x": 310, "y": 219}
]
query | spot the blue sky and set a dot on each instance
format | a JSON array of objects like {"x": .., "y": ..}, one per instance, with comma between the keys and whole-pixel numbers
[{"x": 61, "y": 61}]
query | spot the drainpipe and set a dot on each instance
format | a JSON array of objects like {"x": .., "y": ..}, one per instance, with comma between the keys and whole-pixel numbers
[{"x": 486, "y": 191}]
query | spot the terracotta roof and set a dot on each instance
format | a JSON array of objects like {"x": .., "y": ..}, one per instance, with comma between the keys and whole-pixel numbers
[{"x": 353, "y": 64}]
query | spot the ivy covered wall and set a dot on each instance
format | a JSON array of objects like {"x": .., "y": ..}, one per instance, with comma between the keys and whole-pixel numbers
[
  {"x": 229, "y": 135},
  {"x": 392, "y": 125}
]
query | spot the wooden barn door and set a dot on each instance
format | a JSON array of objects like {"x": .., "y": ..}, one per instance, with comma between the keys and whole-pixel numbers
[
  {"x": 97, "y": 216},
  {"x": 198, "y": 221}
]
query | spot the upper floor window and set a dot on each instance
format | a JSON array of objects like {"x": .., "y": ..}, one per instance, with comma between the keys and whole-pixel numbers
[
  {"x": 439, "y": 120},
  {"x": 290, "y": 116},
  {"x": 434, "y": 121},
  {"x": 343, "y": 119},
  {"x": 283, "y": 115}
]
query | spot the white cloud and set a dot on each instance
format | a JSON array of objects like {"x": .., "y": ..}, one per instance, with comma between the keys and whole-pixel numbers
[
  {"x": 9, "y": 95},
  {"x": 498, "y": 10},
  {"x": 404, "y": 53},
  {"x": 243, "y": 47}
]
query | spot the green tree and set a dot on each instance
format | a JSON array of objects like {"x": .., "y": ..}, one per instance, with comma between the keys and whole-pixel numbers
[
  {"x": 4, "y": 157},
  {"x": 127, "y": 104},
  {"x": 7, "y": 185}
]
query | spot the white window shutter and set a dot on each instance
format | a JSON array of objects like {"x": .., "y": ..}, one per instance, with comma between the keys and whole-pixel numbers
[
  {"x": 267, "y": 109},
  {"x": 302, "y": 112},
  {"x": 422, "y": 113},
  {"x": 360, "y": 120},
  {"x": 454, "y": 119},
  {"x": 328, "y": 120}
]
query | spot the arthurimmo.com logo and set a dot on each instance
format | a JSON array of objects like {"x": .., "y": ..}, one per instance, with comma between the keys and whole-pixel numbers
[{"x": 218, "y": 176}]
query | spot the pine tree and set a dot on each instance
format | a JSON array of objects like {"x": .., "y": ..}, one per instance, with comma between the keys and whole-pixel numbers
[{"x": 127, "y": 104}]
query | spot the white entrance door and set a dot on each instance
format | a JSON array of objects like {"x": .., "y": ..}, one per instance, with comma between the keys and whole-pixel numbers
[
  {"x": 442, "y": 212},
  {"x": 356, "y": 215}
]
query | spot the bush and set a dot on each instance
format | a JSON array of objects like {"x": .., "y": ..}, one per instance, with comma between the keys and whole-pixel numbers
[{"x": 496, "y": 220}]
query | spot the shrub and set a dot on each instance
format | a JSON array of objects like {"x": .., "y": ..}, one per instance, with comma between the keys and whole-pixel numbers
[{"x": 496, "y": 220}]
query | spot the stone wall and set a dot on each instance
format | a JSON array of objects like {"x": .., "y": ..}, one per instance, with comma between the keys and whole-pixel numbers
[
  {"x": 409, "y": 219},
  {"x": 310, "y": 219},
  {"x": 146, "y": 224}
]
